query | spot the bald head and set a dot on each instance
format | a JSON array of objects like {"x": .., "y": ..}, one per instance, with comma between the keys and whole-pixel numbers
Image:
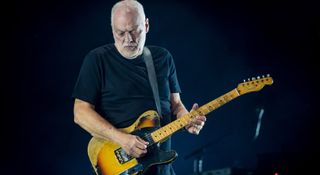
[{"x": 128, "y": 6}]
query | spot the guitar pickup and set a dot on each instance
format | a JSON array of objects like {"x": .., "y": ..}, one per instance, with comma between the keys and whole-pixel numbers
[{"x": 122, "y": 156}]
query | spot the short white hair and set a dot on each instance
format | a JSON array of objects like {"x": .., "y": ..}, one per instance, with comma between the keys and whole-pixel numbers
[{"x": 128, "y": 5}]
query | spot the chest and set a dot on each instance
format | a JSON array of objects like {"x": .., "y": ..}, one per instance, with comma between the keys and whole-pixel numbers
[{"x": 130, "y": 80}]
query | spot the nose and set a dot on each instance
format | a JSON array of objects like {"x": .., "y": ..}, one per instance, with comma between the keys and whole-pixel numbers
[{"x": 128, "y": 37}]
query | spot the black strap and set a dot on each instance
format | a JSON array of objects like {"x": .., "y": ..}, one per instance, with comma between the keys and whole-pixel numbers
[{"x": 152, "y": 78}]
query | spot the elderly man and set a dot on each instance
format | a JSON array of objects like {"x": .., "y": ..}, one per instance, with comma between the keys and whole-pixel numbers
[{"x": 113, "y": 88}]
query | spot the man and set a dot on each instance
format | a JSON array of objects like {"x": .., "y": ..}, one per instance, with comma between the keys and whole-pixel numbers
[{"x": 113, "y": 88}]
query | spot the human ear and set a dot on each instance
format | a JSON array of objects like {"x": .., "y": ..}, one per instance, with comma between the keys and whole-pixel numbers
[{"x": 147, "y": 25}]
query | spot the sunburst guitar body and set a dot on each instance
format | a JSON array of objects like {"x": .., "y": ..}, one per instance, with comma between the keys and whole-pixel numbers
[{"x": 108, "y": 158}]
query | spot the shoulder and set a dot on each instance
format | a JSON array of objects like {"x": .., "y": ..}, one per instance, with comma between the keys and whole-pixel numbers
[
  {"x": 101, "y": 50},
  {"x": 98, "y": 54},
  {"x": 159, "y": 52}
]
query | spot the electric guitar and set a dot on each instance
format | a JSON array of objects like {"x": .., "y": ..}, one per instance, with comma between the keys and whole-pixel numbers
[{"x": 108, "y": 158}]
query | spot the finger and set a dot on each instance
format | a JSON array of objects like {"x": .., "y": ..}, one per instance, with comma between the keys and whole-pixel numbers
[
  {"x": 131, "y": 152},
  {"x": 194, "y": 107},
  {"x": 197, "y": 127},
  {"x": 195, "y": 131},
  {"x": 198, "y": 122},
  {"x": 202, "y": 118},
  {"x": 141, "y": 144},
  {"x": 139, "y": 152},
  {"x": 189, "y": 128},
  {"x": 134, "y": 154},
  {"x": 192, "y": 128},
  {"x": 143, "y": 141}
]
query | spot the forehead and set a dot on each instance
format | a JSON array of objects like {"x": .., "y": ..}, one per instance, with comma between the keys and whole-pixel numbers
[{"x": 126, "y": 19}]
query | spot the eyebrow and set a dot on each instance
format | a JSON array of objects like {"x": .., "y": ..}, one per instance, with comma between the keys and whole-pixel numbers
[{"x": 134, "y": 28}]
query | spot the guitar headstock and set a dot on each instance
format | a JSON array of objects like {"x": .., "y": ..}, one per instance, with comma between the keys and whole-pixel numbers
[{"x": 255, "y": 84}]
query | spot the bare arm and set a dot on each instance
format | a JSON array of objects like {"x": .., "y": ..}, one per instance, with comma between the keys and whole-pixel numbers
[
  {"x": 179, "y": 110},
  {"x": 177, "y": 106},
  {"x": 86, "y": 116}
]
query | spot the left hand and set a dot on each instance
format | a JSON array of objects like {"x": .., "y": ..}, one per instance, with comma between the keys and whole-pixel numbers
[{"x": 196, "y": 124}]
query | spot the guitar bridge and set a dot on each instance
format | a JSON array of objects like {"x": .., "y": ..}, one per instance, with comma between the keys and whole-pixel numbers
[{"x": 122, "y": 156}]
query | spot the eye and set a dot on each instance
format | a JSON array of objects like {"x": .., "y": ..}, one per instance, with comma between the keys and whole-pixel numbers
[
  {"x": 121, "y": 33},
  {"x": 136, "y": 31}
]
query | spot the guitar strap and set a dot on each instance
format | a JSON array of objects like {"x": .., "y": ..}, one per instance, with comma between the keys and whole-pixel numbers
[
  {"x": 152, "y": 78},
  {"x": 161, "y": 169}
]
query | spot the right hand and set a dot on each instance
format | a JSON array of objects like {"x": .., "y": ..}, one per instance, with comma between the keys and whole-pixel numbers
[{"x": 133, "y": 145}]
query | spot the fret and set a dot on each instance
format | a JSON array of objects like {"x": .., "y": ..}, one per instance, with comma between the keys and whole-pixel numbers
[
  {"x": 179, "y": 123},
  {"x": 221, "y": 101},
  {"x": 215, "y": 104},
  {"x": 226, "y": 98},
  {"x": 192, "y": 114},
  {"x": 184, "y": 121},
  {"x": 210, "y": 107},
  {"x": 176, "y": 125},
  {"x": 205, "y": 110},
  {"x": 200, "y": 112},
  {"x": 164, "y": 132},
  {"x": 171, "y": 129}
]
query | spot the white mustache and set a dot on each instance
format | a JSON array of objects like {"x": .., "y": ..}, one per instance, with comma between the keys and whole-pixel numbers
[{"x": 130, "y": 45}]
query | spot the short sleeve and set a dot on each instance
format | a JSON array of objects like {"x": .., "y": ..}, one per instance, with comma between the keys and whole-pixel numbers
[
  {"x": 173, "y": 79},
  {"x": 88, "y": 84}
]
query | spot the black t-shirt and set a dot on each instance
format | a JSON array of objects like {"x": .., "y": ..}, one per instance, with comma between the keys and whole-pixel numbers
[{"x": 119, "y": 88}]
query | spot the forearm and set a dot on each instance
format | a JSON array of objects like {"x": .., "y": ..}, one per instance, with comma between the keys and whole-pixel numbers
[
  {"x": 179, "y": 109},
  {"x": 95, "y": 124}
]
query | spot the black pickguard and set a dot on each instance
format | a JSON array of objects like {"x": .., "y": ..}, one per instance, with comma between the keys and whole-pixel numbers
[{"x": 154, "y": 156}]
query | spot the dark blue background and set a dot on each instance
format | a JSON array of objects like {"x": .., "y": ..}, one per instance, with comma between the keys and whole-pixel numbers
[{"x": 215, "y": 46}]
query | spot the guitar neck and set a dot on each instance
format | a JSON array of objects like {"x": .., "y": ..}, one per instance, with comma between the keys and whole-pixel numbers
[{"x": 178, "y": 124}]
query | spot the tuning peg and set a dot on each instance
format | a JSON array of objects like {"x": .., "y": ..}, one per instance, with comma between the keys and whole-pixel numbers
[
  {"x": 248, "y": 79},
  {"x": 244, "y": 80},
  {"x": 258, "y": 77},
  {"x": 262, "y": 76},
  {"x": 253, "y": 78},
  {"x": 268, "y": 75}
]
